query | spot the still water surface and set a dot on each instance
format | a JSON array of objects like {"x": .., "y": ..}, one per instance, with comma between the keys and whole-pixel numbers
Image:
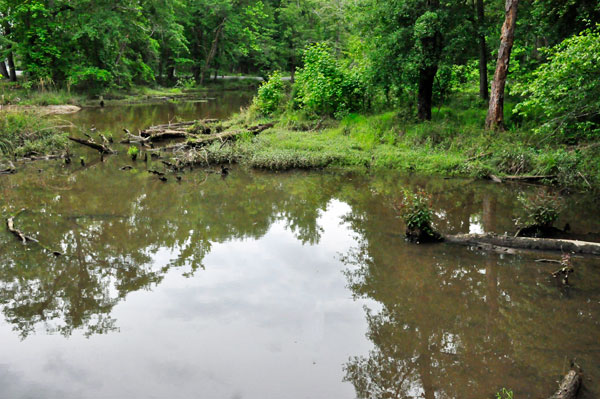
[{"x": 274, "y": 285}]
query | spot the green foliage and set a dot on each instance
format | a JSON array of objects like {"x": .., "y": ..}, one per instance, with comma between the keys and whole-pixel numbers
[
  {"x": 271, "y": 94},
  {"x": 504, "y": 394},
  {"x": 415, "y": 208},
  {"x": 323, "y": 87},
  {"x": 564, "y": 93},
  {"x": 133, "y": 152},
  {"x": 542, "y": 209}
]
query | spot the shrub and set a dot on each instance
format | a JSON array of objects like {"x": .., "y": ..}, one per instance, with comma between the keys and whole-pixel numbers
[
  {"x": 324, "y": 87},
  {"x": 565, "y": 91},
  {"x": 271, "y": 94},
  {"x": 415, "y": 210},
  {"x": 542, "y": 209},
  {"x": 133, "y": 152}
]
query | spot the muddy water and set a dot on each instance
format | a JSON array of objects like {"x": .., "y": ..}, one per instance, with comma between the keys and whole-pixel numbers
[{"x": 275, "y": 285}]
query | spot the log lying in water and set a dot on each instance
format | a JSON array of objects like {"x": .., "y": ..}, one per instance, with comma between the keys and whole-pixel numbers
[
  {"x": 92, "y": 144},
  {"x": 569, "y": 387},
  {"x": 179, "y": 125},
  {"x": 207, "y": 139},
  {"x": 8, "y": 169},
  {"x": 165, "y": 130},
  {"x": 542, "y": 244},
  {"x": 524, "y": 178}
]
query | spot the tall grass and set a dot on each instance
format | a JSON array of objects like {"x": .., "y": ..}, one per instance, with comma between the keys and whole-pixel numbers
[{"x": 24, "y": 134}]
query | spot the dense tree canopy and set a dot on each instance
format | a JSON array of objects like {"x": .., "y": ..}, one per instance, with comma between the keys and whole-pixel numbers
[{"x": 386, "y": 52}]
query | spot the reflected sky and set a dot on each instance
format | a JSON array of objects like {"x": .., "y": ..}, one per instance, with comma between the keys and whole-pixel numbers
[
  {"x": 275, "y": 285},
  {"x": 266, "y": 318}
]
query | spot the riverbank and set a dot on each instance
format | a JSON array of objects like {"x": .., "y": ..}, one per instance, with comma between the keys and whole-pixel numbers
[
  {"x": 28, "y": 135},
  {"x": 453, "y": 144}
]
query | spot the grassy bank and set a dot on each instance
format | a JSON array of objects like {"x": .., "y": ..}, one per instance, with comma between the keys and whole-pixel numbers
[
  {"x": 453, "y": 143},
  {"x": 27, "y": 135}
]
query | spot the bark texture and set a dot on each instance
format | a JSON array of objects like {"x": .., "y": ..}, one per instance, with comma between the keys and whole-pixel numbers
[
  {"x": 495, "y": 115},
  {"x": 569, "y": 387}
]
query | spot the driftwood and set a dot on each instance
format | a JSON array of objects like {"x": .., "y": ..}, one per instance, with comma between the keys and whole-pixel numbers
[
  {"x": 168, "y": 134},
  {"x": 207, "y": 139},
  {"x": 569, "y": 387},
  {"x": 541, "y": 244},
  {"x": 10, "y": 224},
  {"x": 180, "y": 126},
  {"x": 92, "y": 144},
  {"x": 130, "y": 138},
  {"x": 524, "y": 178},
  {"x": 8, "y": 170}
]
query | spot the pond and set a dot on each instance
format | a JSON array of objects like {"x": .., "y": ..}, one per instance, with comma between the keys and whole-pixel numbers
[{"x": 275, "y": 285}]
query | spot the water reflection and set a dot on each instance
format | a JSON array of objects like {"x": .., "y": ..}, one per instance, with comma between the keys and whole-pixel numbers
[
  {"x": 459, "y": 324},
  {"x": 212, "y": 284}
]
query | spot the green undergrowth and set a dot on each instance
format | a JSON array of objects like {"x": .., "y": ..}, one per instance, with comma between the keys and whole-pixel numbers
[
  {"x": 453, "y": 143},
  {"x": 26, "y": 134}
]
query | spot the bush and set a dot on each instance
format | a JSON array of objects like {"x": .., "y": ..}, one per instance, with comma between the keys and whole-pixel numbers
[
  {"x": 415, "y": 210},
  {"x": 565, "y": 91},
  {"x": 271, "y": 94},
  {"x": 133, "y": 152},
  {"x": 324, "y": 87}
]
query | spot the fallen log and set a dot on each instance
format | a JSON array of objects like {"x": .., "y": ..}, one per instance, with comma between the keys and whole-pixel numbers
[
  {"x": 208, "y": 139},
  {"x": 168, "y": 135},
  {"x": 529, "y": 178},
  {"x": 569, "y": 387},
  {"x": 92, "y": 144},
  {"x": 175, "y": 126},
  {"x": 524, "y": 178},
  {"x": 541, "y": 244},
  {"x": 8, "y": 170},
  {"x": 131, "y": 138}
]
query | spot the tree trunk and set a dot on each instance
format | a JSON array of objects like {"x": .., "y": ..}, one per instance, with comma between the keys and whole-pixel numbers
[
  {"x": 495, "y": 115},
  {"x": 3, "y": 70},
  {"x": 11, "y": 67},
  {"x": 432, "y": 50},
  {"x": 213, "y": 50},
  {"x": 483, "y": 78},
  {"x": 12, "y": 72},
  {"x": 426, "y": 79}
]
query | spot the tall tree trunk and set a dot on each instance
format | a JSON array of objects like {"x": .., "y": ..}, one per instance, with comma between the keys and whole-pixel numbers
[
  {"x": 12, "y": 72},
  {"x": 425, "y": 95},
  {"x": 11, "y": 67},
  {"x": 495, "y": 115},
  {"x": 432, "y": 50},
  {"x": 483, "y": 78},
  {"x": 213, "y": 51},
  {"x": 3, "y": 70}
]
